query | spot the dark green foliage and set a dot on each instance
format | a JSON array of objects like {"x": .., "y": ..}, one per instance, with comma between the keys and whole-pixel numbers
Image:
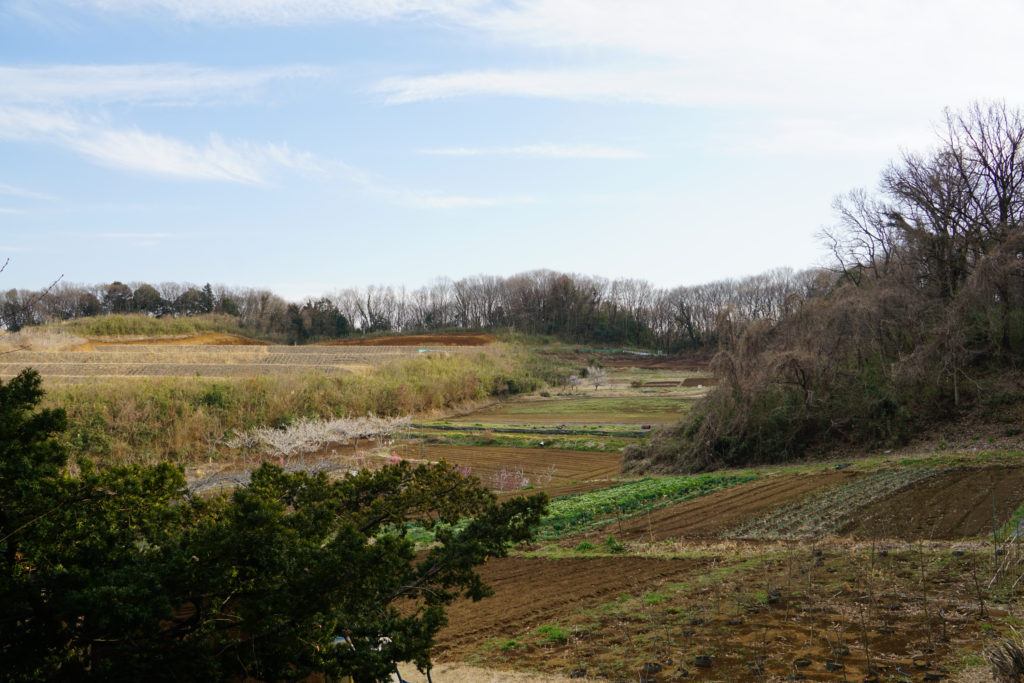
[{"x": 119, "y": 574}]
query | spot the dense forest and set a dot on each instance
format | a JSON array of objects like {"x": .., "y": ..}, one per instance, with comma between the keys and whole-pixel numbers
[
  {"x": 924, "y": 322},
  {"x": 573, "y": 307}
]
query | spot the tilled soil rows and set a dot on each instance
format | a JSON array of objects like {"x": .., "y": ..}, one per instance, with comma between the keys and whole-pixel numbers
[
  {"x": 543, "y": 467},
  {"x": 707, "y": 516},
  {"x": 530, "y": 592},
  {"x": 950, "y": 505}
]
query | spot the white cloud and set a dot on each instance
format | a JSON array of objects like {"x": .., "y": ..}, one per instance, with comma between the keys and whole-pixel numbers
[
  {"x": 136, "y": 83},
  {"x": 675, "y": 86},
  {"x": 136, "y": 150},
  {"x": 795, "y": 57},
  {"x": 541, "y": 151},
  {"x": 7, "y": 210}
]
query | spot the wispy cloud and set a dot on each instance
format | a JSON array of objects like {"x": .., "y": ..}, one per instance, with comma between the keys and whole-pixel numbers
[
  {"x": 136, "y": 150},
  {"x": 215, "y": 160},
  {"x": 541, "y": 152},
  {"x": 283, "y": 12},
  {"x": 137, "y": 83},
  {"x": 7, "y": 210},
  {"x": 12, "y": 191},
  {"x": 786, "y": 55}
]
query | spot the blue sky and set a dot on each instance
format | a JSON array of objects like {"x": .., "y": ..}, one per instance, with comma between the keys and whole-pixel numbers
[{"x": 313, "y": 145}]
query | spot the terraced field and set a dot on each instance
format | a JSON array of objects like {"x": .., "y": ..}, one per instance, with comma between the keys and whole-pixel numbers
[{"x": 165, "y": 360}]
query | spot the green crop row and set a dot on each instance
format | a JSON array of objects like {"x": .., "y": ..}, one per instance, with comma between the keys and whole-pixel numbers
[{"x": 576, "y": 512}]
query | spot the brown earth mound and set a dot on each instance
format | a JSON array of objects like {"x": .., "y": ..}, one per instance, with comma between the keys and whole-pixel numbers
[
  {"x": 951, "y": 505},
  {"x": 207, "y": 339},
  {"x": 454, "y": 339}
]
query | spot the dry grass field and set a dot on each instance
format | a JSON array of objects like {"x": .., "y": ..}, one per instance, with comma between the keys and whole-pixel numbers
[{"x": 224, "y": 358}]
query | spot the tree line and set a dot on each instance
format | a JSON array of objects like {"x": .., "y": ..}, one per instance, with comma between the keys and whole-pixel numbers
[{"x": 577, "y": 308}]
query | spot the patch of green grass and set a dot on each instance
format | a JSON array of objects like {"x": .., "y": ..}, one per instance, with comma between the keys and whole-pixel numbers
[
  {"x": 551, "y": 634},
  {"x": 571, "y": 443},
  {"x": 638, "y": 409},
  {"x": 655, "y": 598},
  {"x": 612, "y": 545}
]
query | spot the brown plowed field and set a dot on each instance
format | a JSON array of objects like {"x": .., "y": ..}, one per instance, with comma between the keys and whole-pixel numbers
[
  {"x": 207, "y": 339},
  {"x": 468, "y": 339},
  {"x": 709, "y": 515},
  {"x": 950, "y": 505},
  {"x": 564, "y": 467},
  {"x": 621, "y": 612},
  {"x": 529, "y": 592}
]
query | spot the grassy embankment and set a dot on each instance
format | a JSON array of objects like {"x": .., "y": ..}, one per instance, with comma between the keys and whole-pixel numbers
[
  {"x": 140, "y": 325},
  {"x": 187, "y": 419}
]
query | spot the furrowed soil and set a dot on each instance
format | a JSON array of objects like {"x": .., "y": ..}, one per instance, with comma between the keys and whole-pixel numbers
[
  {"x": 952, "y": 505},
  {"x": 545, "y": 468},
  {"x": 838, "y": 614},
  {"x": 206, "y": 339},
  {"x": 709, "y": 515},
  {"x": 536, "y": 591}
]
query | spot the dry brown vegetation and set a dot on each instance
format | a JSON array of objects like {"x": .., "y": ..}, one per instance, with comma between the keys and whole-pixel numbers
[{"x": 922, "y": 320}]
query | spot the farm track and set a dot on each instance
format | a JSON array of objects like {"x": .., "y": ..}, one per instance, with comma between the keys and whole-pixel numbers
[
  {"x": 529, "y": 592},
  {"x": 706, "y": 516}
]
